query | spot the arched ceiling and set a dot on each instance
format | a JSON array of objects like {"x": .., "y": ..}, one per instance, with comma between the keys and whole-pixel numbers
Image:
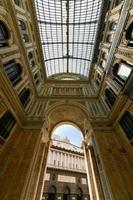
[{"x": 68, "y": 30}]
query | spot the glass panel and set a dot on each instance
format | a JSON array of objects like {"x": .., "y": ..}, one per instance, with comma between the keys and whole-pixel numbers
[
  {"x": 68, "y": 32},
  {"x": 124, "y": 71}
]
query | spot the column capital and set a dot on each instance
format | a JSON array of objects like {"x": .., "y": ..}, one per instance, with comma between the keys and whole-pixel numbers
[
  {"x": 87, "y": 146},
  {"x": 45, "y": 134}
]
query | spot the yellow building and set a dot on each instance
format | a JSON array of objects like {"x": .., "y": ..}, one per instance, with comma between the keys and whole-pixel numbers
[{"x": 66, "y": 62}]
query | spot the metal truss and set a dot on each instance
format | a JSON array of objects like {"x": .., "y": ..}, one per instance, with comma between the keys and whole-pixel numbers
[{"x": 68, "y": 34}]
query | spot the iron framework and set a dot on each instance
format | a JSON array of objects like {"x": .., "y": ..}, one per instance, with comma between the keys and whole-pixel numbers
[{"x": 68, "y": 31}]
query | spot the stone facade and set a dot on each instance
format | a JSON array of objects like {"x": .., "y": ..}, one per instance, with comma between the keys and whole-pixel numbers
[{"x": 66, "y": 168}]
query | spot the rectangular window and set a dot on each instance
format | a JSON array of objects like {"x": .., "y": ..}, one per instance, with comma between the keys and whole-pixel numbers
[{"x": 7, "y": 122}]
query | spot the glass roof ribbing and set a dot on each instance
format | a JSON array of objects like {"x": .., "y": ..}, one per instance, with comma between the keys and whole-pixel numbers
[{"x": 68, "y": 32}]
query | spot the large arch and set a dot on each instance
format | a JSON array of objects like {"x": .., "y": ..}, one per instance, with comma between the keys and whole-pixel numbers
[
  {"x": 75, "y": 114},
  {"x": 71, "y": 113}
]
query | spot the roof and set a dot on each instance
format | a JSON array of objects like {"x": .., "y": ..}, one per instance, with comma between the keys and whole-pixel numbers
[
  {"x": 65, "y": 144},
  {"x": 68, "y": 30}
]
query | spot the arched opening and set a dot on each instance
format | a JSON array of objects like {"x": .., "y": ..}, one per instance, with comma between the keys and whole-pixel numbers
[
  {"x": 103, "y": 64},
  {"x": 30, "y": 55},
  {"x": 113, "y": 25},
  {"x": 67, "y": 161},
  {"x": 52, "y": 193},
  {"x": 110, "y": 38},
  {"x": 67, "y": 130},
  {"x": 103, "y": 60},
  {"x": 117, "y": 2},
  {"x": 4, "y": 35},
  {"x": 23, "y": 30},
  {"x": 17, "y": 2},
  {"x": 66, "y": 194},
  {"x": 66, "y": 157},
  {"x": 104, "y": 55},
  {"x": 31, "y": 59}
]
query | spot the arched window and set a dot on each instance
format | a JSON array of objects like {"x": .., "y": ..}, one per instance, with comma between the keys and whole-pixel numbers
[
  {"x": 110, "y": 38},
  {"x": 52, "y": 193},
  {"x": 103, "y": 64},
  {"x": 32, "y": 63},
  {"x": 24, "y": 96},
  {"x": 126, "y": 123},
  {"x": 110, "y": 97},
  {"x": 121, "y": 71},
  {"x": 66, "y": 194},
  {"x": 7, "y": 122},
  {"x": 31, "y": 59},
  {"x": 23, "y": 30},
  {"x": 117, "y": 2},
  {"x": 113, "y": 25},
  {"x": 13, "y": 71},
  {"x": 79, "y": 194},
  {"x": 104, "y": 55},
  {"x": 4, "y": 35},
  {"x": 103, "y": 60},
  {"x": 30, "y": 55},
  {"x": 129, "y": 34},
  {"x": 17, "y": 2},
  {"x": 22, "y": 25},
  {"x": 37, "y": 82},
  {"x": 36, "y": 76}
]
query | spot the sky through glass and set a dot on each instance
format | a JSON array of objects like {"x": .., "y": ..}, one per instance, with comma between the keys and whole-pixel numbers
[{"x": 68, "y": 34}]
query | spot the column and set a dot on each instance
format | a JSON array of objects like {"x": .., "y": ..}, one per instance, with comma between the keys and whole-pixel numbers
[
  {"x": 52, "y": 152},
  {"x": 74, "y": 161},
  {"x": 116, "y": 162},
  {"x": 65, "y": 160},
  {"x": 96, "y": 192},
  {"x": 61, "y": 159},
  {"x": 53, "y": 157},
  {"x": 42, "y": 172},
  {"x": 37, "y": 171}
]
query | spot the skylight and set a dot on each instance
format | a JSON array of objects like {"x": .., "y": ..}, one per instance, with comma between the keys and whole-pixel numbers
[{"x": 68, "y": 32}]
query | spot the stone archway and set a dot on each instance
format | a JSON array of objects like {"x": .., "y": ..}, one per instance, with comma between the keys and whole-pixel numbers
[
  {"x": 78, "y": 116},
  {"x": 68, "y": 113}
]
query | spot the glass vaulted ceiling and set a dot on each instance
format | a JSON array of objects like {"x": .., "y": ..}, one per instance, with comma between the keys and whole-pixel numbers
[{"x": 68, "y": 33}]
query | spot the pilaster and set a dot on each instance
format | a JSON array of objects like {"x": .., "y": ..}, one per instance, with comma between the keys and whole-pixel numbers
[
  {"x": 96, "y": 192},
  {"x": 16, "y": 162},
  {"x": 116, "y": 164}
]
